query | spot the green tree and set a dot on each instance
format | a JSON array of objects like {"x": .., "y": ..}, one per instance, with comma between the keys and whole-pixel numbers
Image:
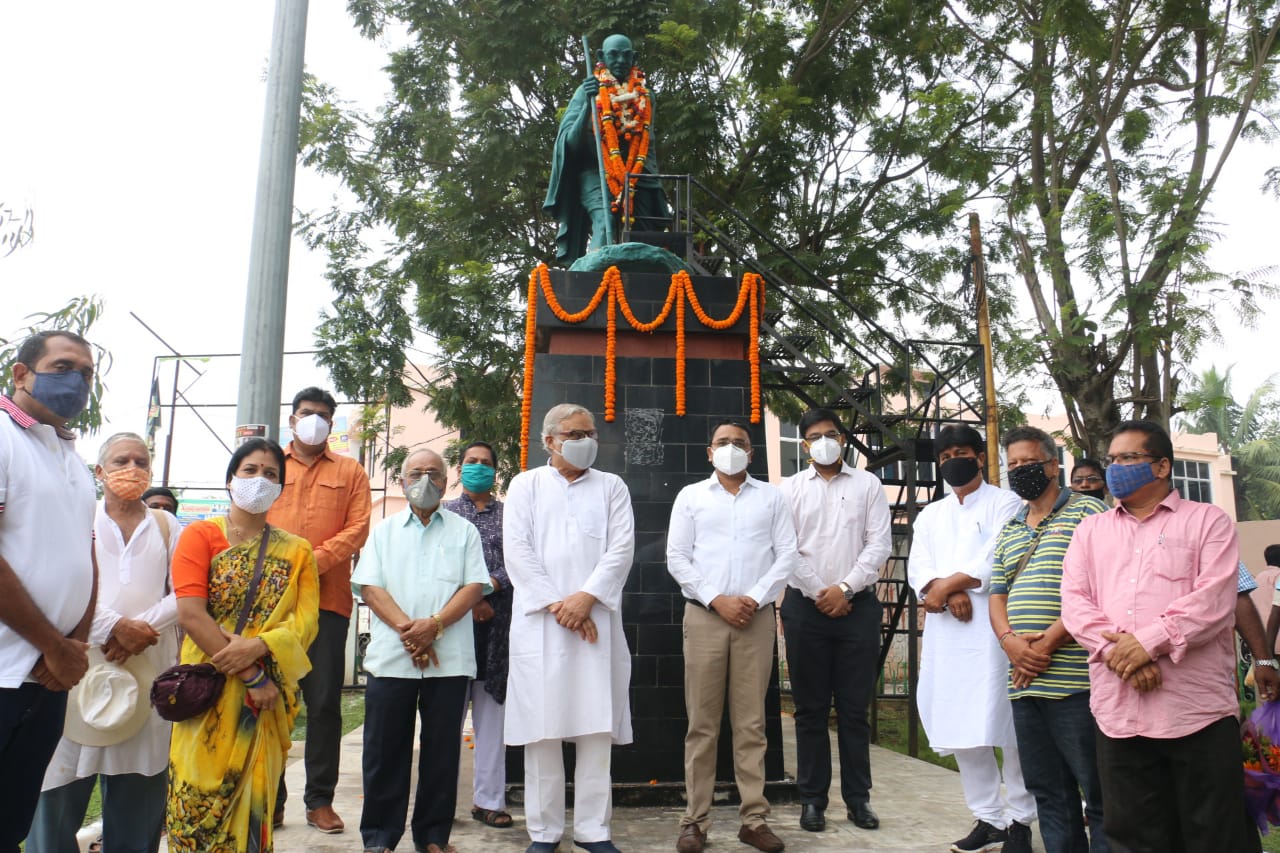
[
  {"x": 856, "y": 131},
  {"x": 1128, "y": 111},
  {"x": 1249, "y": 432},
  {"x": 76, "y": 316}
]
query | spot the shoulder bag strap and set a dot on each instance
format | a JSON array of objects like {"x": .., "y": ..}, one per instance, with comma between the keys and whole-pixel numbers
[
  {"x": 163, "y": 524},
  {"x": 1035, "y": 540},
  {"x": 252, "y": 595}
]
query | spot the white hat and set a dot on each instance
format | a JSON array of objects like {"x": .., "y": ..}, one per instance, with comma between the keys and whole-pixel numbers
[{"x": 111, "y": 703}]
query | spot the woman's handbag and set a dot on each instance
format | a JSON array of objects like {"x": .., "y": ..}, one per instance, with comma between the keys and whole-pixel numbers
[{"x": 184, "y": 691}]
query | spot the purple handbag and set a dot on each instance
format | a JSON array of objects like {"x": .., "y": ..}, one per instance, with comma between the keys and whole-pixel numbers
[{"x": 187, "y": 690}]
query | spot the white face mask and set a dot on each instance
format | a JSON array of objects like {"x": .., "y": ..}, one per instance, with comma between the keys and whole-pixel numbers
[
  {"x": 311, "y": 429},
  {"x": 825, "y": 451},
  {"x": 579, "y": 453},
  {"x": 253, "y": 494},
  {"x": 730, "y": 460}
]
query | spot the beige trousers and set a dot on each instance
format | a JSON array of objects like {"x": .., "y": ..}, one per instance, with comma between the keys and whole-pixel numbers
[{"x": 716, "y": 656}]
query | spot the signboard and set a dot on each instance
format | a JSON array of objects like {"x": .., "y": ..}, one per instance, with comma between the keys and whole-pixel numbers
[
  {"x": 244, "y": 432},
  {"x": 200, "y": 509}
]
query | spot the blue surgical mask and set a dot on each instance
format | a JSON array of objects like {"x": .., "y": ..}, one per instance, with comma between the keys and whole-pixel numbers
[
  {"x": 64, "y": 394},
  {"x": 1124, "y": 480},
  {"x": 477, "y": 477}
]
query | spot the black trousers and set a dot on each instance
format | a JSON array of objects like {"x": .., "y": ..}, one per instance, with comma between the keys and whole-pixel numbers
[
  {"x": 390, "y": 707},
  {"x": 30, "y": 728},
  {"x": 322, "y": 693},
  {"x": 1176, "y": 795},
  {"x": 832, "y": 659}
]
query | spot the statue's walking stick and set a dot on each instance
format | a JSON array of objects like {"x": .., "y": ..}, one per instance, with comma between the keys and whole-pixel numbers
[{"x": 595, "y": 127}]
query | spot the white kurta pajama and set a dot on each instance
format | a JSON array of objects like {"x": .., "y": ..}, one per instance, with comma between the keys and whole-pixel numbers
[
  {"x": 962, "y": 693},
  {"x": 562, "y": 537}
]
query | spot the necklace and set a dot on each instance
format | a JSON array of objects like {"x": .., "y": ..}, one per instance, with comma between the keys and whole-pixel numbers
[{"x": 240, "y": 534}]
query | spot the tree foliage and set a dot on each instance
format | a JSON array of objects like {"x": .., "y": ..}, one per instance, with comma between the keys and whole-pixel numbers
[
  {"x": 76, "y": 316},
  {"x": 1250, "y": 432},
  {"x": 856, "y": 131},
  {"x": 1128, "y": 111}
]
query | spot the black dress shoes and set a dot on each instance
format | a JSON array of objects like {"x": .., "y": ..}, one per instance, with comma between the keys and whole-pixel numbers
[
  {"x": 811, "y": 818},
  {"x": 863, "y": 816}
]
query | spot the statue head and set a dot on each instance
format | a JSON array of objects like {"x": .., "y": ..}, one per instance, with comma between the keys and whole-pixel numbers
[{"x": 617, "y": 55}]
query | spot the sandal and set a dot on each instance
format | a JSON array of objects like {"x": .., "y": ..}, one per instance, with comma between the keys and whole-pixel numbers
[{"x": 492, "y": 817}]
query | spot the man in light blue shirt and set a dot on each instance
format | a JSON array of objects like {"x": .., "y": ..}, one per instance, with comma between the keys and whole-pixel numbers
[{"x": 420, "y": 573}]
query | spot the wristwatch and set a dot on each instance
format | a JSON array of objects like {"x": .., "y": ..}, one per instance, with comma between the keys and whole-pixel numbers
[
  {"x": 1271, "y": 662},
  {"x": 847, "y": 590}
]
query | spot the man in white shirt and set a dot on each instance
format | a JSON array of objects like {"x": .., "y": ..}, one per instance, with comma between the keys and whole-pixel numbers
[
  {"x": 831, "y": 617},
  {"x": 962, "y": 693},
  {"x": 421, "y": 573},
  {"x": 568, "y": 539},
  {"x": 732, "y": 547},
  {"x": 47, "y": 582}
]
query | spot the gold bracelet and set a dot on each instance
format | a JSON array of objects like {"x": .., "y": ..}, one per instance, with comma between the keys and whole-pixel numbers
[{"x": 439, "y": 625}]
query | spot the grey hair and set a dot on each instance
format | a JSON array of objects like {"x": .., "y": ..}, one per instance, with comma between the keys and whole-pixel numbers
[
  {"x": 404, "y": 466},
  {"x": 1030, "y": 433},
  {"x": 115, "y": 439},
  {"x": 560, "y": 413}
]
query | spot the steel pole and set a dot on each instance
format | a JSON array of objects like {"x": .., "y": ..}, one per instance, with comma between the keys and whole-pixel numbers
[
  {"x": 263, "y": 346},
  {"x": 988, "y": 353}
]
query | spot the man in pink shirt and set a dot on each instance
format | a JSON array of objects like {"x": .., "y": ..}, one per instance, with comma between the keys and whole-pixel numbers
[{"x": 1149, "y": 590}]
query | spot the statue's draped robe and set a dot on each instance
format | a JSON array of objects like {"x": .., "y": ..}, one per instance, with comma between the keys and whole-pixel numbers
[{"x": 574, "y": 187}]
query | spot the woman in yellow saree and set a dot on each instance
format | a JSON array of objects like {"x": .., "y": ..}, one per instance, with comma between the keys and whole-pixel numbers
[{"x": 225, "y": 764}]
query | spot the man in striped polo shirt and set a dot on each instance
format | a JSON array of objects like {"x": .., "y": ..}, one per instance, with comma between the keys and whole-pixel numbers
[{"x": 1049, "y": 671}]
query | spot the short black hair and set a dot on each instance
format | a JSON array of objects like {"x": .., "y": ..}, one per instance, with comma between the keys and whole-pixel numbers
[
  {"x": 1030, "y": 433},
  {"x": 817, "y": 416},
  {"x": 711, "y": 436},
  {"x": 160, "y": 491},
  {"x": 1086, "y": 462},
  {"x": 1272, "y": 555},
  {"x": 251, "y": 446},
  {"x": 315, "y": 395},
  {"x": 462, "y": 454},
  {"x": 34, "y": 347},
  {"x": 1156, "y": 442},
  {"x": 959, "y": 435}
]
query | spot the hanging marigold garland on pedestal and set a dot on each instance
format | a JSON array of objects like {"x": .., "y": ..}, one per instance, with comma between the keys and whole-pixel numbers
[
  {"x": 750, "y": 298},
  {"x": 625, "y": 112}
]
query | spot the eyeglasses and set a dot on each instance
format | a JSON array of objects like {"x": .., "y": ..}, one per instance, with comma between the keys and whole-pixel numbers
[
  {"x": 739, "y": 443},
  {"x": 1085, "y": 480},
  {"x": 833, "y": 434},
  {"x": 577, "y": 434},
  {"x": 1127, "y": 458},
  {"x": 415, "y": 476}
]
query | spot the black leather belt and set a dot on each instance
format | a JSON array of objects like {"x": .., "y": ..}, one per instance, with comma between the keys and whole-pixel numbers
[{"x": 860, "y": 595}]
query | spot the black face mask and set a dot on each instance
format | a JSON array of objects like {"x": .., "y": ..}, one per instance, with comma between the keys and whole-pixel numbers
[
  {"x": 1028, "y": 481},
  {"x": 1100, "y": 494},
  {"x": 959, "y": 471}
]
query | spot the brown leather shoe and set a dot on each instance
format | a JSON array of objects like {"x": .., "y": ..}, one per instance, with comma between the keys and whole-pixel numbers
[
  {"x": 692, "y": 839},
  {"x": 277, "y": 819},
  {"x": 761, "y": 837},
  {"x": 325, "y": 819}
]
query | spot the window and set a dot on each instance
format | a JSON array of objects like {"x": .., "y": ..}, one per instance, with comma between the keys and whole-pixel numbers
[
  {"x": 791, "y": 455},
  {"x": 1192, "y": 481}
]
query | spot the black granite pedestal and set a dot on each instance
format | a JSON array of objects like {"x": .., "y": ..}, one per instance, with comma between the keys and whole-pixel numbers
[{"x": 656, "y": 453}]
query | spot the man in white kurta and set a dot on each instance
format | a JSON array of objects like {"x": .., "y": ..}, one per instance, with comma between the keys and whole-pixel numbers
[
  {"x": 136, "y": 604},
  {"x": 962, "y": 692},
  {"x": 569, "y": 536}
]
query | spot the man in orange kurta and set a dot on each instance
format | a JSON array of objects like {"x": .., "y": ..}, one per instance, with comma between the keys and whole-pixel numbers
[{"x": 326, "y": 500}]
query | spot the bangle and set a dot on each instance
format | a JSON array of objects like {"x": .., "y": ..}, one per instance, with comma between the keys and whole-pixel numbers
[
  {"x": 1006, "y": 635},
  {"x": 439, "y": 625},
  {"x": 258, "y": 680}
]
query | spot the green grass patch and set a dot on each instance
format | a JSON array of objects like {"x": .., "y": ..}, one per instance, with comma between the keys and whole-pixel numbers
[{"x": 352, "y": 715}]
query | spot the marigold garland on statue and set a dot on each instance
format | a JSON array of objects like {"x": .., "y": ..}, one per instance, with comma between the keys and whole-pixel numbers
[
  {"x": 625, "y": 112},
  {"x": 750, "y": 296}
]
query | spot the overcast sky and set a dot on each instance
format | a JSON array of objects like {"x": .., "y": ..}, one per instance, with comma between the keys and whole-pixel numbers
[{"x": 131, "y": 132}]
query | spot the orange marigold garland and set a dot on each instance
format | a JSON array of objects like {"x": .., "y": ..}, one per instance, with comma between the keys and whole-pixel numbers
[
  {"x": 530, "y": 343},
  {"x": 750, "y": 297},
  {"x": 625, "y": 112}
]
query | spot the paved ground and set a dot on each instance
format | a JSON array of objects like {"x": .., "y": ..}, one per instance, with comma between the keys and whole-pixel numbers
[{"x": 920, "y": 805}]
